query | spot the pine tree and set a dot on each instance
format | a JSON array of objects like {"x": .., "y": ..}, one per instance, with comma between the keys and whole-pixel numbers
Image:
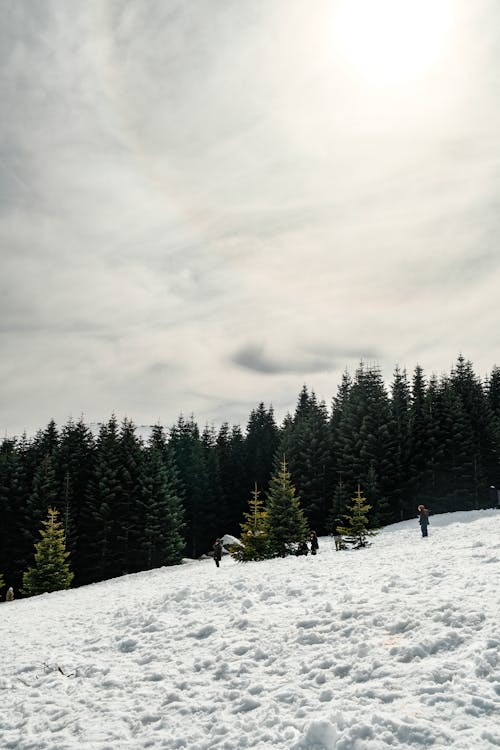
[
  {"x": 202, "y": 522},
  {"x": 306, "y": 444},
  {"x": 400, "y": 409},
  {"x": 362, "y": 437},
  {"x": 2, "y": 581},
  {"x": 356, "y": 529},
  {"x": 162, "y": 542},
  {"x": 261, "y": 443},
  {"x": 76, "y": 459},
  {"x": 286, "y": 522},
  {"x": 254, "y": 532},
  {"x": 51, "y": 571}
]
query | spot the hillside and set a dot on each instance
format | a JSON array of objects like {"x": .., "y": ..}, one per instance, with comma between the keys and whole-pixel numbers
[{"x": 393, "y": 646}]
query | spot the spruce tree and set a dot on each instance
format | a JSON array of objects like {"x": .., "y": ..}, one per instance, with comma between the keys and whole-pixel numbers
[
  {"x": 261, "y": 443},
  {"x": 51, "y": 571},
  {"x": 286, "y": 522},
  {"x": 76, "y": 465},
  {"x": 306, "y": 444},
  {"x": 356, "y": 529},
  {"x": 97, "y": 520},
  {"x": 202, "y": 522},
  {"x": 162, "y": 541},
  {"x": 254, "y": 532}
]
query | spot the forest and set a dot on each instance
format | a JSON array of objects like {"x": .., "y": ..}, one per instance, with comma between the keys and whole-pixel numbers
[{"x": 128, "y": 505}]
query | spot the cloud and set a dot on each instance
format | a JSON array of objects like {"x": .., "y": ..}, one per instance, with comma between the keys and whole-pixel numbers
[
  {"x": 197, "y": 197},
  {"x": 254, "y": 358}
]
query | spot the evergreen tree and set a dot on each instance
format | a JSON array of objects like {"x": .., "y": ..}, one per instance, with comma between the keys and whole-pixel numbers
[
  {"x": 8, "y": 460},
  {"x": 419, "y": 448},
  {"x": 200, "y": 514},
  {"x": 254, "y": 532},
  {"x": 356, "y": 529},
  {"x": 400, "y": 411},
  {"x": 128, "y": 521},
  {"x": 51, "y": 571},
  {"x": 233, "y": 479},
  {"x": 306, "y": 443},
  {"x": 76, "y": 458},
  {"x": 162, "y": 540},
  {"x": 43, "y": 496},
  {"x": 362, "y": 440},
  {"x": 261, "y": 443},
  {"x": 286, "y": 523},
  {"x": 98, "y": 518}
]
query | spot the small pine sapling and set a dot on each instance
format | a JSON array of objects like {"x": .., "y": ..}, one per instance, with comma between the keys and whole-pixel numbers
[
  {"x": 51, "y": 571},
  {"x": 254, "y": 537},
  {"x": 356, "y": 531}
]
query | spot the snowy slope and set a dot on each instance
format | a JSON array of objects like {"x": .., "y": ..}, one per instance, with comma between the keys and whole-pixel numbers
[{"x": 394, "y": 646}]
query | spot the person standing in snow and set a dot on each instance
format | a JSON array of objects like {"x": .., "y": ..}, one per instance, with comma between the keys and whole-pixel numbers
[
  {"x": 313, "y": 538},
  {"x": 217, "y": 551},
  {"x": 337, "y": 534},
  {"x": 9, "y": 596},
  {"x": 423, "y": 519}
]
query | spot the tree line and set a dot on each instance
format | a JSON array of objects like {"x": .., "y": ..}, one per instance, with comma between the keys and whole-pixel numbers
[{"x": 127, "y": 505}]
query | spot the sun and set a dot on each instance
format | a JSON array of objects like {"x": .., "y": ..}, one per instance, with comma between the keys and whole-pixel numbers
[{"x": 390, "y": 41}]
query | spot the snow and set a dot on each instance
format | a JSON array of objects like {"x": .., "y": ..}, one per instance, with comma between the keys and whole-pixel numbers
[{"x": 392, "y": 646}]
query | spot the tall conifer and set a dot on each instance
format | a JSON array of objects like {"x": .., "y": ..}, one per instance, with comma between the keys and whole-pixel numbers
[{"x": 286, "y": 523}]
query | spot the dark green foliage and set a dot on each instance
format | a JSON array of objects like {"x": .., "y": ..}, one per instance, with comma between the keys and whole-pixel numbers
[
  {"x": 76, "y": 457},
  {"x": 233, "y": 477},
  {"x": 162, "y": 524},
  {"x": 51, "y": 571},
  {"x": 400, "y": 416},
  {"x": 100, "y": 511},
  {"x": 286, "y": 523},
  {"x": 306, "y": 444},
  {"x": 362, "y": 441},
  {"x": 201, "y": 516},
  {"x": 261, "y": 443}
]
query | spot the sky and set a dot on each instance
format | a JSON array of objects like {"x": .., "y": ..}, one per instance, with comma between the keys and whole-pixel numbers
[
  {"x": 206, "y": 205},
  {"x": 390, "y": 647}
]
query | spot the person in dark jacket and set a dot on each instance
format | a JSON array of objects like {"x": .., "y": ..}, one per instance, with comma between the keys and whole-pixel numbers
[
  {"x": 423, "y": 519},
  {"x": 313, "y": 538},
  {"x": 217, "y": 551}
]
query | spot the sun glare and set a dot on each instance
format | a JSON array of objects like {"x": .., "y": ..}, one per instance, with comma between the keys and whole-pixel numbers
[{"x": 392, "y": 40}]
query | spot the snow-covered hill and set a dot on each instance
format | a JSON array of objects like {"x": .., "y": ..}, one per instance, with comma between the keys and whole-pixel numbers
[{"x": 394, "y": 646}]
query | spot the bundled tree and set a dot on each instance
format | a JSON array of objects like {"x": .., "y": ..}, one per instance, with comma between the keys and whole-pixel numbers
[
  {"x": 286, "y": 522},
  {"x": 51, "y": 571},
  {"x": 356, "y": 529},
  {"x": 2, "y": 582},
  {"x": 254, "y": 532}
]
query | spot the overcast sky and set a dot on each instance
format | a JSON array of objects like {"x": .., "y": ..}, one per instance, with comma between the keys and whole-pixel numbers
[{"x": 205, "y": 204}]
